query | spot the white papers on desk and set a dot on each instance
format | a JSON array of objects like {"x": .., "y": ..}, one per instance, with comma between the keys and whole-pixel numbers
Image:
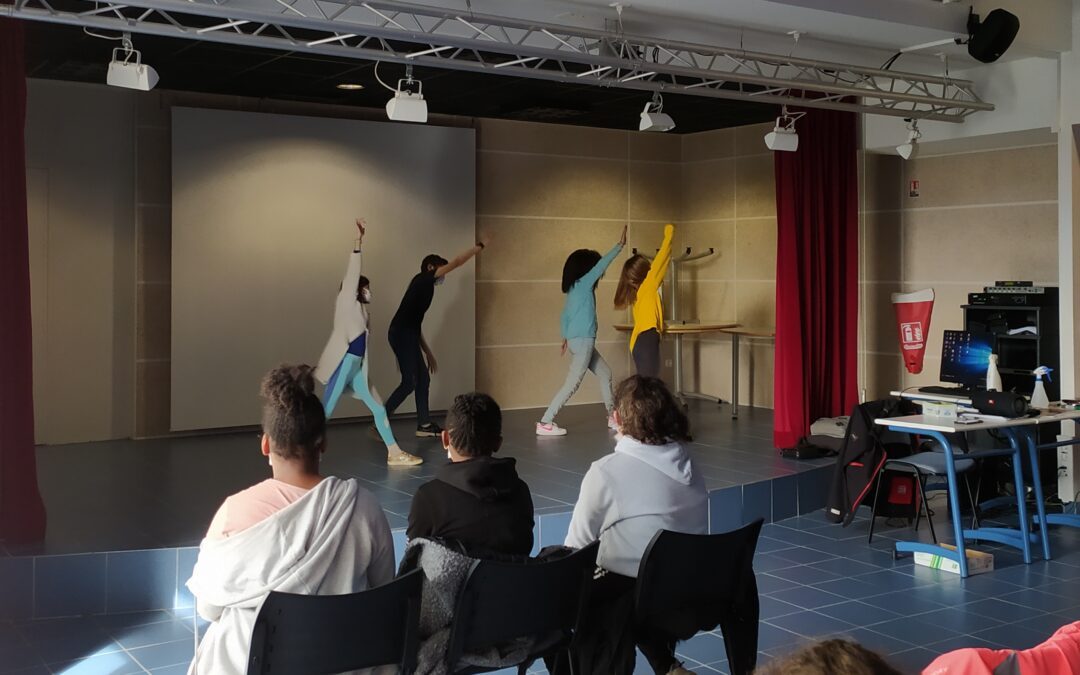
[
  {"x": 1025, "y": 330},
  {"x": 975, "y": 418}
]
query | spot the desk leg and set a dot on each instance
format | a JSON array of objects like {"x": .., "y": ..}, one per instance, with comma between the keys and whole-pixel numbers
[
  {"x": 954, "y": 502},
  {"x": 734, "y": 376},
  {"x": 1036, "y": 478}
]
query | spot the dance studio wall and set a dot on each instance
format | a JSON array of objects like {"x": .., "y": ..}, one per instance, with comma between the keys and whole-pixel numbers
[
  {"x": 980, "y": 216},
  {"x": 262, "y": 212}
]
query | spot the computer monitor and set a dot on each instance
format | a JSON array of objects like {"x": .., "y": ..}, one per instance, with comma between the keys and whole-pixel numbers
[{"x": 965, "y": 357}]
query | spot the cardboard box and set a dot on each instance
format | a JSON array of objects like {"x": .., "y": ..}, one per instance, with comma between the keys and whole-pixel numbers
[{"x": 977, "y": 561}]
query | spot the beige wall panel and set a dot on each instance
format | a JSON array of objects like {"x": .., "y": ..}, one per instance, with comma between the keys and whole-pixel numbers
[
  {"x": 750, "y": 139},
  {"x": 153, "y": 334},
  {"x": 709, "y": 190},
  {"x": 653, "y": 147},
  {"x": 880, "y": 318},
  {"x": 755, "y": 246},
  {"x": 154, "y": 231},
  {"x": 700, "y": 236},
  {"x": 541, "y": 185},
  {"x": 532, "y": 249},
  {"x": 152, "y": 385},
  {"x": 985, "y": 243},
  {"x": 551, "y": 139},
  {"x": 997, "y": 177},
  {"x": 883, "y": 182},
  {"x": 755, "y": 304},
  {"x": 931, "y": 372},
  {"x": 756, "y": 384},
  {"x": 655, "y": 190},
  {"x": 516, "y": 313},
  {"x": 154, "y": 180},
  {"x": 528, "y": 377},
  {"x": 707, "y": 367},
  {"x": 755, "y": 186},
  {"x": 884, "y": 373},
  {"x": 706, "y": 300},
  {"x": 882, "y": 246},
  {"x": 707, "y": 145}
]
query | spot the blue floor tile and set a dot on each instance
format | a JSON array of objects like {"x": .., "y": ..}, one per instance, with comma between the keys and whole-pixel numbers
[
  {"x": 912, "y": 660},
  {"x": 1013, "y": 636},
  {"x": 807, "y": 597},
  {"x": 902, "y": 602},
  {"x": 703, "y": 648},
  {"x": 858, "y": 613},
  {"x": 810, "y": 624},
  {"x": 804, "y": 556},
  {"x": 166, "y": 654},
  {"x": 152, "y": 634},
  {"x": 772, "y": 637},
  {"x": 1060, "y": 600},
  {"x": 959, "y": 620},
  {"x": 771, "y": 584},
  {"x": 805, "y": 575},
  {"x": 115, "y": 663},
  {"x": 770, "y": 607},
  {"x": 19, "y": 657},
  {"x": 914, "y": 629},
  {"x": 853, "y": 589},
  {"x": 1002, "y": 611},
  {"x": 879, "y": 642}
]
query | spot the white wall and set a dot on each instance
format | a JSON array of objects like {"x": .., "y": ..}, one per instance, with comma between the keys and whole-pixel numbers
[{"x": 80, "y": 190}]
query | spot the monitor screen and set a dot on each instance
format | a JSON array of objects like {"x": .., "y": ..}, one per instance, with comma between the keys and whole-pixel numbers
[{"x": 965, "y": 357}]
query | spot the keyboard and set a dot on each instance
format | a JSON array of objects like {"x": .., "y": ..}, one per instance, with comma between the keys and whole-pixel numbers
[{"x": 959, "y": 392}]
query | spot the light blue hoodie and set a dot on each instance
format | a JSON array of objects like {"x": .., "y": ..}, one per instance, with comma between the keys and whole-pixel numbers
[
  {"x": 630, "y": 495},
  {"x": 579, "y": 312}
]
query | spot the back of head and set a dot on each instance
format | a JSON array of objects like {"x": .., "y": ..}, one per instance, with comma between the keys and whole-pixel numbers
[
  {"x": 634, "y": 272},
  {"x": 831, "y": 657},
  {"x": 578, "y": 265},
  {"x": 293, "y": 416},
  {"x": 474, "y": 423},
  {"x": 649, "y": 413},
  {"x": 432, "y": 261}
]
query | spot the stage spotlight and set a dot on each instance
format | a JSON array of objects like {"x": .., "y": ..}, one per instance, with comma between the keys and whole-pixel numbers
[
  {"x": 407, "y": 106},
  {"x": 783, "y": 137},
  {"x": 127, "y": 69},
  {"x": 653, "y": 117},
  {"x": 911, "y": 148}
]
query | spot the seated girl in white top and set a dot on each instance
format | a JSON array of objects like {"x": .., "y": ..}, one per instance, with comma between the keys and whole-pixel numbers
[
  {"x": 649, "y": 483},
  {"x": 297, "y": 532}
]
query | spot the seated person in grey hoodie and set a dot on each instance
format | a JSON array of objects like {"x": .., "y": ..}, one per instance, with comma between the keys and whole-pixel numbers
[
  {"x": 649, "y": 483},
  {"x": 477, "y": 500}
]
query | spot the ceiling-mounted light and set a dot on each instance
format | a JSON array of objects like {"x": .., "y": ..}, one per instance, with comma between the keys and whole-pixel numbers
[
  {"x": 407, "y": 106},
  {"x": 127, "y": 69},
  {"x": 653, "y": 117},
  {"x": 911, "y": 148},
  {"x": 783, "y": 137},
  {"x": 350, "y": 86}
]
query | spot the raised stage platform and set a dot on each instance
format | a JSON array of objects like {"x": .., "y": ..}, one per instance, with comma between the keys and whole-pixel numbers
[{"x": 125, "y": 517}]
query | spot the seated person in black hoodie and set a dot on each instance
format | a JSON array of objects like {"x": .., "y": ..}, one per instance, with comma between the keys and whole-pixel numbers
[{"x": 477, "y": 499}]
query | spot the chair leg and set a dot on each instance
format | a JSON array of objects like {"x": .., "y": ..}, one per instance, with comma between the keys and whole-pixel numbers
[
  {"x": 873, "y": 508},
  {"x": 974, "y": 505},
  {"x": 926, "y": 506}
]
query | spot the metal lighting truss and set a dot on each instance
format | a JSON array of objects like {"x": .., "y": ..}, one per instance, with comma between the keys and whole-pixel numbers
[{"x": 399, "y": 32}]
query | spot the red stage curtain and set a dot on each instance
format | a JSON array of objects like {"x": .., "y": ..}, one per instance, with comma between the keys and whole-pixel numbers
[
  {"x": 22, "y": 513},
  {"x": 817, "y": 275}
]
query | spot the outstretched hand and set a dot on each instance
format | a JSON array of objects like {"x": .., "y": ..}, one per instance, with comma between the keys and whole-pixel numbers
[
  {"x": 622, "y": 239},
  {"x": 432, "y": 364},
  {"x": 361, "y": 226},
  {"x": 562, "y": 352}
]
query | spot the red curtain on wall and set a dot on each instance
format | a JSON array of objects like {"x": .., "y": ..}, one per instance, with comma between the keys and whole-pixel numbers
[
  {"x": 22, "y": 513},
  {"x": 817, "y": 275}
]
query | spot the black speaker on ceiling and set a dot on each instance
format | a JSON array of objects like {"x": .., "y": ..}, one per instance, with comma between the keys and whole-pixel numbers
[{"x": 991, "y": 37}]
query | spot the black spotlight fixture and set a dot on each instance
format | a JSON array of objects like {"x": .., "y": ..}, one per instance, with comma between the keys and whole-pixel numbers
[{"x": 990, "y": 38}]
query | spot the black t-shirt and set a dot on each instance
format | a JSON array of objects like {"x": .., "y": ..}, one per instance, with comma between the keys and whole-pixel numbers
[{"x": 415, "y": 303}]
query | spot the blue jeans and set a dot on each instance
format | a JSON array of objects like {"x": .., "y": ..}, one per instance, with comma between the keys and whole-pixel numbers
[
  {"x": 352, "y": 372},
  {"x": 583, "y": 357}
]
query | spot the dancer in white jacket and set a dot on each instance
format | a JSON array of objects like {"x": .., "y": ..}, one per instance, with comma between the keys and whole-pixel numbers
[
  {"x": 344, "y": 362},
  {"x": 297, "y": 532}
]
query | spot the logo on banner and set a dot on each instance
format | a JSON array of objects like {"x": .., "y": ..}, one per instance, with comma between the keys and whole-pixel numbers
[{"x": 911, "y": 335}]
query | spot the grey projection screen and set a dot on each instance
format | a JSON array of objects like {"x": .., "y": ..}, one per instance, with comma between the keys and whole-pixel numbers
[{"x": 262, "y": 225}]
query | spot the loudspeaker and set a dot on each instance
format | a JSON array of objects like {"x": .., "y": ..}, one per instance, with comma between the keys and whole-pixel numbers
[
  {"x": 991, "y": 37},
  {"x": 1000, "y": 403}
]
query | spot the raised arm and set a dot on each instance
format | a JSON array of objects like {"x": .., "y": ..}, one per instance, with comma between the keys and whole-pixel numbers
[
  {"x": 352, "y": 272},
  {"x": 461, "y": 258},
  {"x": 593, "y": 275},
  {"x": 659, "y": 266}
]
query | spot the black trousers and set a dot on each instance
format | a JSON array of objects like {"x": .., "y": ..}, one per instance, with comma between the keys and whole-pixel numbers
[
  {"x": 606, "y": 641},
  {"x": 414, "y": 373},
  {"x": 647, "y": 353}
]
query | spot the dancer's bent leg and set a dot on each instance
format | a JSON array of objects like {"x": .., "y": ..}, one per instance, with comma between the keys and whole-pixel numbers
[
  {"x": 362, "y": 390},
  {"x": 406, "y": 348},
  {"x": 580, "y": 354},
  {"x": 338, "y": 381},
  {"x": 647, "y": 353},
  {"x": 600, "y": 369},
  {"x": 423, "y": 386}
]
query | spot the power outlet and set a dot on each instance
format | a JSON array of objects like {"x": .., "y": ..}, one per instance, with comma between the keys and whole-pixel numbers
[
  {"x": 1068, "y": 480},
  {"x": 668, "y": 363}
]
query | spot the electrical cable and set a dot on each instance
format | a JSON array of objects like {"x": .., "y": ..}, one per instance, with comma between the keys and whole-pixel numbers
[{"x": 379, "y": 79}]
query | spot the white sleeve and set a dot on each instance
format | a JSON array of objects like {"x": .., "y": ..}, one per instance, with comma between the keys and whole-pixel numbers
[
  {"x": 593, "y": 506},
  {"x": 352, "y": 274}
]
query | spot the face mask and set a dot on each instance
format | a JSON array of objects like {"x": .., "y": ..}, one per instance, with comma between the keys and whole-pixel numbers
[
  {"x": 439, "y": 281},
  {"x": 366, "y": 295}
]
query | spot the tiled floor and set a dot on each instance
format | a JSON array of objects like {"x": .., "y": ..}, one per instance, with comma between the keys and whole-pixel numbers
[
  {"x": 815, "y": 579},
  {"x": 126, "y": 495}
]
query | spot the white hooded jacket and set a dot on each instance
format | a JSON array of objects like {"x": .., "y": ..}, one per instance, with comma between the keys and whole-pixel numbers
[
  {"x": 630, "y": 495},
  {"x": 333, "y": 540},
  {"x": 350, "y": 321}
]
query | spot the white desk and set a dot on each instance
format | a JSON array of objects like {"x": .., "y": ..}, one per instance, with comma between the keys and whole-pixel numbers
[{"x": 1020, "y": 432}]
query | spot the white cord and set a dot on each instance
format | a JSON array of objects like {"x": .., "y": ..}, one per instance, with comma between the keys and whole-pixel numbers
[{"x": 379, "y": 79}]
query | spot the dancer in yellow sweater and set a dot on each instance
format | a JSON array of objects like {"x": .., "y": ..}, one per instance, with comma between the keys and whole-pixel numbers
[{"x": 639, "y": 287}]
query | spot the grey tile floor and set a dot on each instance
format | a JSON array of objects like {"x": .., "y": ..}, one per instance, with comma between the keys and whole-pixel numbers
[{"x": 123, "y": 495}]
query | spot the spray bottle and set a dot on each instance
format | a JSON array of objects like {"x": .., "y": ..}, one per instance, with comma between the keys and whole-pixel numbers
[
  {"x": 1039, "y": 398},
  {"x": 993, "y": 377}
]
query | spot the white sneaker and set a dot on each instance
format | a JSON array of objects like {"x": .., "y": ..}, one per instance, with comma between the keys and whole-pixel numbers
[{"x": 550, "y": 429}]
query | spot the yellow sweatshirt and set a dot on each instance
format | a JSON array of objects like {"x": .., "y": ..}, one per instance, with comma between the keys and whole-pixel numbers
[{"x": 648, "y": 309}]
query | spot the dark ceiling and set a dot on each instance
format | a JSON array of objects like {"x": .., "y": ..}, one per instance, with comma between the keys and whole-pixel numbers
[{"x": 67, "y": 53}]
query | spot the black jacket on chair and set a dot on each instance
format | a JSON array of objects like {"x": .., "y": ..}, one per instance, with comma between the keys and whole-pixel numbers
[{"x": 480, "y": 503}]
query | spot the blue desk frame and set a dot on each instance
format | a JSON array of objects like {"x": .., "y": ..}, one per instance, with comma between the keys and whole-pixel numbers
[{"x": 1022, "y": 539}]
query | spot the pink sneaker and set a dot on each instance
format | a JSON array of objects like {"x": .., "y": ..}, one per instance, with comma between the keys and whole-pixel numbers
[{"x": 550, "y": 429}]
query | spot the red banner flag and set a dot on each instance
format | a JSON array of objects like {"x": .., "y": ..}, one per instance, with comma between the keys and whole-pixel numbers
[{"x": 913, "y": 312}]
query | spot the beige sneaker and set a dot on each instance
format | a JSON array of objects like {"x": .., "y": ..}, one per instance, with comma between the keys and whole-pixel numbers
[{"x": 402, "y": 458}]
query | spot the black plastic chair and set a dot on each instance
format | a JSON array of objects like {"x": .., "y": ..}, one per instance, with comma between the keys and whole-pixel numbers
[
  {"x": 502, "y": 601},
  {"x": 695, "y": 582},
  {"x": 317, "y": 634}
]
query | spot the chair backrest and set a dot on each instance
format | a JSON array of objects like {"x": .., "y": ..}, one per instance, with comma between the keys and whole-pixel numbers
[
  {"x": 335, "y": 633},
  {"x": 692, "y": 582},
  {"x": 502, "y": 601}
]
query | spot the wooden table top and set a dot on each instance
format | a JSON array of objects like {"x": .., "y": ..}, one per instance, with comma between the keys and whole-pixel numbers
[{"x": 702, "y": 327}]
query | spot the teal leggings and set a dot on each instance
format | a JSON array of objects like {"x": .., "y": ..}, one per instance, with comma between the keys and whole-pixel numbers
[{"x": 352, "y": 372}]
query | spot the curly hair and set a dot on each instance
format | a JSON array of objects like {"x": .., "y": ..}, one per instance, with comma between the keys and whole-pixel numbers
[
  {"x": 474, "y": 423},
  {"x": 831, "y": 657},
  {"x": 649, "y": 413},
  {"x": 293, "y": 416}
]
